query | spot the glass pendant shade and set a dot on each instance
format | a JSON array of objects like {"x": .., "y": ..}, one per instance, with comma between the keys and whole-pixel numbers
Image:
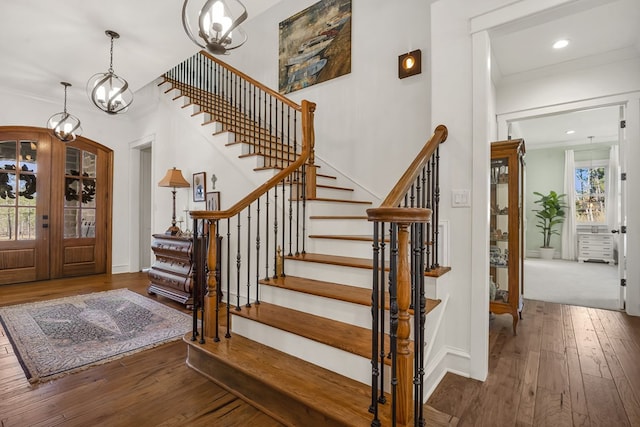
[
  {"x": 108, "y": 91},
  {"x": 218, "y": 29},
  {"x": 64, "y": 126}
]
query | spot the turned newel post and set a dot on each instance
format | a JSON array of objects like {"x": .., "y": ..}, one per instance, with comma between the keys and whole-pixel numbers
[
  {"x": 211, "y": 296},
  {"x": 405, "y": 351},
  {"x": 403, "y": 218}
]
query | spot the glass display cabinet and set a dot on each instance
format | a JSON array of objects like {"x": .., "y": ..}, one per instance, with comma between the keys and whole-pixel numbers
[{"x": 506, "y": 237}]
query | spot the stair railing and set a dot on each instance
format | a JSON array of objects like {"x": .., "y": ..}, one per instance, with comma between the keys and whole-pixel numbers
[
  {"x": 404, "y": 216},
  {"x": 236, "y": 247}
]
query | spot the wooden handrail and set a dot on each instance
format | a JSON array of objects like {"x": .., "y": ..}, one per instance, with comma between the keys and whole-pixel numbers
[
  {"x": 256, "y": 83},
  {"x": 308, "y": 108},
  {"x": 397, "y": 193}
]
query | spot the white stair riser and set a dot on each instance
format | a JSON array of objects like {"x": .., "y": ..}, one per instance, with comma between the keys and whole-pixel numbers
[
  {"x": 350, "y": 248},
  {"x": 334, "y": 193},
  {"x": 317, "y": 207},
  {"x": 345, "y": 363},
  {"x": 339, "y": 226},
  {"x": 342, "y": 311},
  {"x": 360, "y": 277}
]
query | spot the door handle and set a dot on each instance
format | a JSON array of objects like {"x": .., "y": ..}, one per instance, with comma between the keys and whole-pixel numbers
[{"x": 615, "y": 231}]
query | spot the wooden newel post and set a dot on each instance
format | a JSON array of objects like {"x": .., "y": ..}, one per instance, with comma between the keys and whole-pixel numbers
[
  {"x": 308, "y": 110},
  {"x": 405, "y": 351},
  {"x": 211, "y": 296}
]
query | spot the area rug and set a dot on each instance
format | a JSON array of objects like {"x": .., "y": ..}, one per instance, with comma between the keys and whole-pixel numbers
[{"x": 57, "y": 337}]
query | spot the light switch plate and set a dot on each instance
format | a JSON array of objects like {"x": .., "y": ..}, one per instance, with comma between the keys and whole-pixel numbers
[{"x": 460, "y": 198}]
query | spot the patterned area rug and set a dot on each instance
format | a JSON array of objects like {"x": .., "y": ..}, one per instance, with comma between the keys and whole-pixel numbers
[{"x": 57, "y": 337}]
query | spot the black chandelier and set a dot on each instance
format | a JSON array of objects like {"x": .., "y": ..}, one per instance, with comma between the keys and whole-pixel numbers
[
  {"x": 218, "y": 28},
  {"x": 108, "y": 91},
  {"x": 64, "y": 126}
]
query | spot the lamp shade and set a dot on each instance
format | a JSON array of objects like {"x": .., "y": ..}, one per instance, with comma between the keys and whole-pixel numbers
[{"x": 174, "y": 179}]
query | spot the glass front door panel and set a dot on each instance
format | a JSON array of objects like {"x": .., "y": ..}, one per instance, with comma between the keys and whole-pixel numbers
[
  {"x": 18, "y": 185},
  {"x": 80, "y": 194}
]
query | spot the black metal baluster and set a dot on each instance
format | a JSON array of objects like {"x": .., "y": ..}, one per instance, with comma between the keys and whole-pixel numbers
[
  {"x": 238, "y": 265},
  {"x": 204, "y": 287},
  {"x": 258, "y": 252},
  {"x": 304, "y": 207},
  {"x": 212, "y": 240},
  {"x": 436, "y": 207},
  {"x": 196, "y": 284},
  {"x": 248, "y": 256},
  {"x": 416, "y": 275},
  {"x": 266, "y": 227},
  {"x": 275, "y": 233},
  {"x": 284, "y": 230},
  {"x": 429, "y": 237},
  {"x": 228, "y": 334},
  {"x": 382, "y": 308}
]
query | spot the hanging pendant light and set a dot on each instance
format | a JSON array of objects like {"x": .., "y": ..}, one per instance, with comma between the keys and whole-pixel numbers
[
  {"x": 107, "y": 91},
  {"x": 64, "y": 126},
  {"x": 218, "y": 25}
]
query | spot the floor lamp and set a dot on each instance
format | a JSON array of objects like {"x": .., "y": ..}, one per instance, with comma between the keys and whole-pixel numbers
[{"x": 173, "y": 179}]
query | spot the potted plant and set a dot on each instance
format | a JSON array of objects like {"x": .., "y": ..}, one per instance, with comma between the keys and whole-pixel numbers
[{"x": 550, "y": 215}]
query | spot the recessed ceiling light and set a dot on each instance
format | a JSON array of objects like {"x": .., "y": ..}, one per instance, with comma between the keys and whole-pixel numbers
[
  {"x": 561, "y": 44},
  {"x": 570, "y": 132}
]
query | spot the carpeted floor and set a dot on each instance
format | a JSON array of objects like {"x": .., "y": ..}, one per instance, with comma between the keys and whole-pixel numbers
[
  {"x": 586, "y": 284},
  {"x": 56, "y": 337}
]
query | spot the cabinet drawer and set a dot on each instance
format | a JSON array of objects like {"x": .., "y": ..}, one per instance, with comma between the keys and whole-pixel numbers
[
  {"x": 168, "y": 280},
  {"x": 596, "y": 238}
]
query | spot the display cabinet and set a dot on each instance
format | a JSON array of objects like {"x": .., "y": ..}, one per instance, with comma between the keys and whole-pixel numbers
[{"x": 506, "y": 261}]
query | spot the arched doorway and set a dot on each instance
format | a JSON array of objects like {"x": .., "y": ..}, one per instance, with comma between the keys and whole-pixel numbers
[{"x": 55, "y": 206}]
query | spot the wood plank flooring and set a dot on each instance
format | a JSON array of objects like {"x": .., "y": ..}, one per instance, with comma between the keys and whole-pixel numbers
[
  {"x": 150, "y": 388},
  {"x": 568, "y": 366}
]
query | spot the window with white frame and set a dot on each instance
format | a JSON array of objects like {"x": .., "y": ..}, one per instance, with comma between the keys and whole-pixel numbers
[{"x": 591, "y": 192}]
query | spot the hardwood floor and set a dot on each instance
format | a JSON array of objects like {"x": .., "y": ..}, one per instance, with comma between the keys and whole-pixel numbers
[
  {"x": 150, "y": 388},
  {"x": 568, "y": 366}
]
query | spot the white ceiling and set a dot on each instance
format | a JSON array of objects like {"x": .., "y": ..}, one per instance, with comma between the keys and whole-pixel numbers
[
  {"x": 600, "y": 31},
  {"x": 45, "y": 42}
]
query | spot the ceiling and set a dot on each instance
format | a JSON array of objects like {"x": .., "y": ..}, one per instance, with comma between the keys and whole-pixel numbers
[
  {"x": 600, "y": 32},
  {"x": 46, "y": 42}
]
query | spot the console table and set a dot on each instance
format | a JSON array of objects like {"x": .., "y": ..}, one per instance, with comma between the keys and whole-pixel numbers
[
  {"x": 171, "y": 275},
  {"x": 595, "y": 246}
]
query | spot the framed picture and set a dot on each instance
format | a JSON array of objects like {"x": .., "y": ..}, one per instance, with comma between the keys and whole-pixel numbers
[
  {"x": 314, "y": 45},
  {"x": 213, "y": 201},
  {"x": 199, "y": 186}
]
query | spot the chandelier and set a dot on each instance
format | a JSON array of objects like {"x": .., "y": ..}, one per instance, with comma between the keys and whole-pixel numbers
[
  {"x": 64, "y": 126},
  {"x": 218, "y": 25},
  {"x": 107, "y": 91}
]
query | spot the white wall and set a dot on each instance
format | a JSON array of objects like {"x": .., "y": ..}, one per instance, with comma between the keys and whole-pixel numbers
[{"x": 369, "y": 123}]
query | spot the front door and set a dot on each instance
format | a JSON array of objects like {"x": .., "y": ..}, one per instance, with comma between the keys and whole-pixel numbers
[
  {"x": 25, "y": 159},
  {"x": 55, "y": 206}
]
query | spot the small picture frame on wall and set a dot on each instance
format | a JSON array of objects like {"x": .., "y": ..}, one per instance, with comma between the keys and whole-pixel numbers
[
  {"x": 213, "y": 201},
  {"x": 199, "y": 186}
]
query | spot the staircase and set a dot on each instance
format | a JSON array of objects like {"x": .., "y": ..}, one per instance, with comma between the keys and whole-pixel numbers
[{"x": 296, "y": 343}]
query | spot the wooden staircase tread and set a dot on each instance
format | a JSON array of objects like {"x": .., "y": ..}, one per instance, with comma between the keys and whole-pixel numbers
[
  {"x": 337, "y": 291},
  {"x": 342, "y": 399},
  {"x": 320, "y": 175},
  {"x": 346, "y": 337},
  {"x": 333, "y": 187},
  {"x": 340, "y": 217},
  {"x": 325, "y": 199},
  {"x": 354, "y": 262},
  {"x": 359, "y": 238}
]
